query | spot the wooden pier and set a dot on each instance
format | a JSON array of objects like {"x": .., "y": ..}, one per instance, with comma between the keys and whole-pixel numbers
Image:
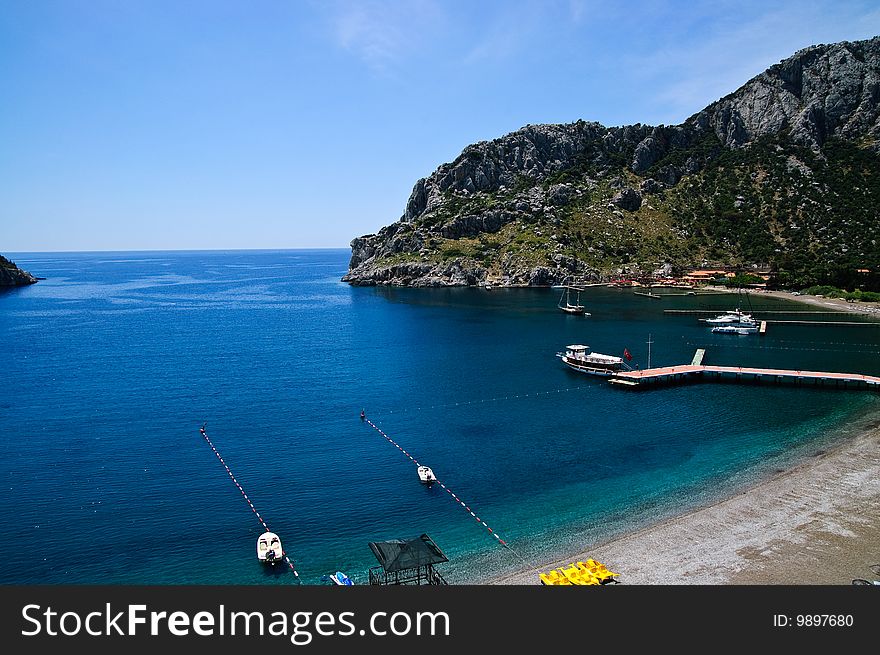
[
  {"x": 868, "y": 322},
  {"x": 834, "y": 323},
  {"x": 699, "y": 372},
  {"x": 757, "y": 311}
]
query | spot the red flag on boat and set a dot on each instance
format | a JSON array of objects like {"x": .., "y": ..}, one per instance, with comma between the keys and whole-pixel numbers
[{"x": 627, "y": 355}]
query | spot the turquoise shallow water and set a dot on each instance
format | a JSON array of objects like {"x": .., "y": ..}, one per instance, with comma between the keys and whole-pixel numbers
[{"x": 111, "y": 364}]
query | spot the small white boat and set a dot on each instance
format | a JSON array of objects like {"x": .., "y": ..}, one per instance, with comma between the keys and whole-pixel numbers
[
  {"x": 269, "y": 549},
  {"x": 426, "y": 475},
  {"x": 734, "y": 317},
  {"x": 339, "y": 578},
  {"x": 735, "y": 329}
]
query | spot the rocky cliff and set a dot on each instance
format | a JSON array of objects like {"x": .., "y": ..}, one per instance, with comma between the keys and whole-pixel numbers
[
  {"x": 785, "y": 170},
  {"x": 12, "y": 276}
]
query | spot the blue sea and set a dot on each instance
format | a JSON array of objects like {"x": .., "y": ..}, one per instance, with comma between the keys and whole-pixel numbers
[{"x": 109, "y": 366}]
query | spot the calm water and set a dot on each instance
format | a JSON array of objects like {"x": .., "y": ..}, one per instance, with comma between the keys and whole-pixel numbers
[{"x": 110, "y": 365}]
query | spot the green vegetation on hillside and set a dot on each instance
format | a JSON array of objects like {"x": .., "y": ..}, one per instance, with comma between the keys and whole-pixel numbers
[
  {"x": 833, "y": 292},
  {"x": 811, "y": 216}
]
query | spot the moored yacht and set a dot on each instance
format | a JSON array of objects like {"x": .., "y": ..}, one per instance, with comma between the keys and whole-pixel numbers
[
  {"x": 734, "y": 317},
  {"x": 572, "y": 307},
  {"x": 741, "y": 328}
]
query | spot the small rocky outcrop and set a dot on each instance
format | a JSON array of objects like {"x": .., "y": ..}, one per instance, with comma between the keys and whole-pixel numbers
[
  {"x": 628, "y": 199},
  {"x": 650, "y": 186},
  {"x": 12, "y": 276}
]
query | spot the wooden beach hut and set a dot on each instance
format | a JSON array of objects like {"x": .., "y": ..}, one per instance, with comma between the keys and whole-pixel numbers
[{"x": 407, "y": 561}]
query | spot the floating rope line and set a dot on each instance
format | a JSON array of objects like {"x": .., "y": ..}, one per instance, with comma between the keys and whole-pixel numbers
[
  {"x": 443, "y": 486},
  {"x": 526, "y": 563},
  {"x": 534, "y": 394},
  {"x": 770, "y": 347},
  {"x": 826, "y": 343},
  {"x": 250, "y": 504}
]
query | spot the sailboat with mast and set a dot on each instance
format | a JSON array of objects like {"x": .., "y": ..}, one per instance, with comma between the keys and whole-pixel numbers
[{"x": 572, "y": 308}]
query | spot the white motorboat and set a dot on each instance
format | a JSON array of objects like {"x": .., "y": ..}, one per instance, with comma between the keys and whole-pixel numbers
[
  {"x": 734, "y": 317},
  {"x": 426, "y": 475},
  {"x": 736, "y": 329},
  {"x": 579, "y": 358},
  {"x": 269, "y": 549}
]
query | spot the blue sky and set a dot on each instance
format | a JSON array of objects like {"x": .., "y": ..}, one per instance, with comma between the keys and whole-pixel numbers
[{"x": 157, "y": 124}]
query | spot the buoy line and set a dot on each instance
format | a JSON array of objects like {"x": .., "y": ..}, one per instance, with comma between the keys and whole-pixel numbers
[
  {"x": 773, "y": 347},
  {"x": 464, "y": 403},
  {"x": 442, "y": 486},
  {"x": 250, "y": 504},
  {"x": 458, "y": 500}
]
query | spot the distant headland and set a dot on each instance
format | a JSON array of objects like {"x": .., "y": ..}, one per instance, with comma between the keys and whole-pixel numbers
[
  {"x": 12, "y": 276},
  {"x": 781, "y": 174}
]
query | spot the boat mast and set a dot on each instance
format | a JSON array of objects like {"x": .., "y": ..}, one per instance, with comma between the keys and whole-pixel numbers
[{"x": 649, "y": 350}]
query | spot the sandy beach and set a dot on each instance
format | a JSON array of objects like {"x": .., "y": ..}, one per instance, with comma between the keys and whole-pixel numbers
[{"x": 813, "y": 524}]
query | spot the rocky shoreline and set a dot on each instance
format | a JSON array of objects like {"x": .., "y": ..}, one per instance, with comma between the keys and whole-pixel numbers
[
  {"x": 459, "y": 274},
  {"x": 12, "y": 276}
]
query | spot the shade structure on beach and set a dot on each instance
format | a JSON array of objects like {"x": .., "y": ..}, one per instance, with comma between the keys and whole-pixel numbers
[{"x": 401, "y": 554}]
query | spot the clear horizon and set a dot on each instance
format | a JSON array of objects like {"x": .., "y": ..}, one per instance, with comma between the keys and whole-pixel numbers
[
  {"x": 8, "y": 254},
  {"x": 155, "y": 126}
]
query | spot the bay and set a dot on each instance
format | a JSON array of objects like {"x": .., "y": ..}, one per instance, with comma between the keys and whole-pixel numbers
[{"x": 111, "y": 364}]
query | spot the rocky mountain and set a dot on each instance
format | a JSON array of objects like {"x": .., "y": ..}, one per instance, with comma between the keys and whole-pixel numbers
[
  {"x": 784, "y": 171},
  {"x": 12, "y": 276}
]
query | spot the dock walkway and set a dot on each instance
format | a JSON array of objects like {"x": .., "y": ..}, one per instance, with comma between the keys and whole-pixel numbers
[{"x": 696, "y": 371}]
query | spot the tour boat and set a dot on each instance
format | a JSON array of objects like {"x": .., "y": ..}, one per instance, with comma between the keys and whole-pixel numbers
[
  {"x": 269, "y": 548},
  {"x": 579, "y": 358},
  {"x": 426, "y": 475}
]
